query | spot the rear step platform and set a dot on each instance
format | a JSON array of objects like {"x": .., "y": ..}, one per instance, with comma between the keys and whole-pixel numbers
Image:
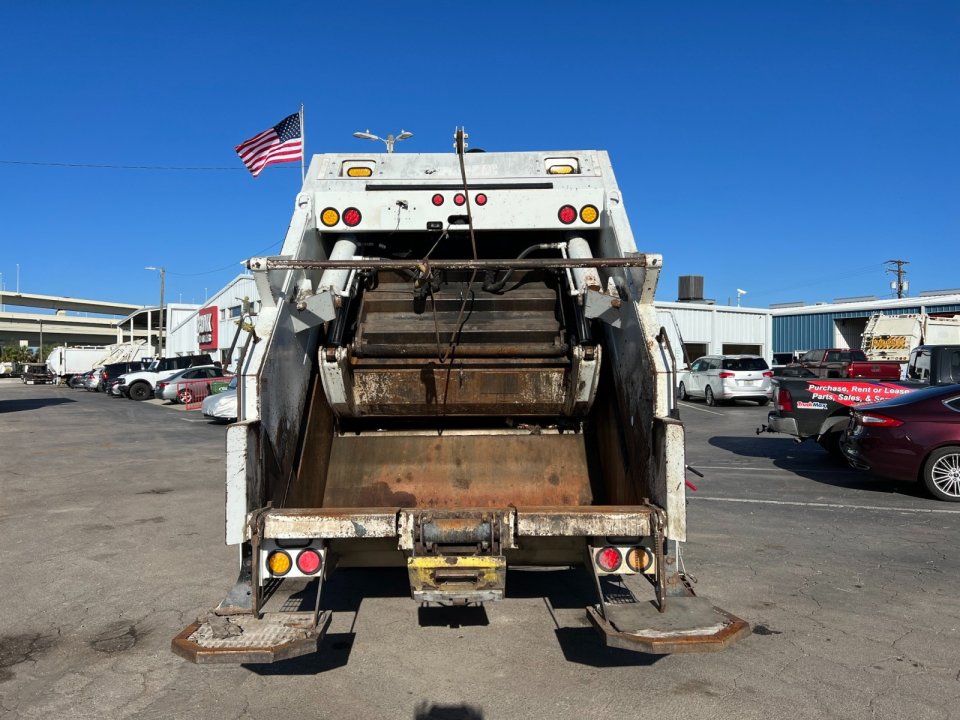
[
  {"x": 248, "y": 639},
  {"x": 690, "y": 624}
]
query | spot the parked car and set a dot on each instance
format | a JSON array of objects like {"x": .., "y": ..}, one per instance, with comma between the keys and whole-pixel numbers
[
  {"x": 113, "y": 371},
  {"x": 140, "y": 385},
  {"x": 91, "y": 379},
  {"x": 36, "y": 374},
  {"x": 77, "y": 381},
  {"x": 112, "y": 387},
  {"x": 222, "y": 406},
  {"x": 186, "y": 385},
  {"x": 915, "y": 437},
  {"x": 719, "y": 378}
]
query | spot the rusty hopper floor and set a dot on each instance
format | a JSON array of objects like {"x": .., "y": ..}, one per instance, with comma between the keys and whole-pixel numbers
[{"x": 486, "y": 470}]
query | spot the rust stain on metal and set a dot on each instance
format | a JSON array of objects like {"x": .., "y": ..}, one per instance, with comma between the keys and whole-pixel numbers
[{"x": 458, "y": 471}]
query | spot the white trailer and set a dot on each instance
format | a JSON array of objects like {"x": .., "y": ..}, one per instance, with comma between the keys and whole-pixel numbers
[{"x": 457, "y": 367}]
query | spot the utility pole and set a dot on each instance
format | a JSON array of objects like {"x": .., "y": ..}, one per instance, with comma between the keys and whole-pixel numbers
[{"x": 900, "y": 284}]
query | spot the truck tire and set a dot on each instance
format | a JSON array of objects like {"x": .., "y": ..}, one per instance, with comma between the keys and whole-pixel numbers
[
  {"x": 830, "y": 441},
  {"x": 139, "y": 391},
  {"x": 682, "y": 392},
  {"x": 708, "y": 396},
  {"x": 941, "y": 473}
]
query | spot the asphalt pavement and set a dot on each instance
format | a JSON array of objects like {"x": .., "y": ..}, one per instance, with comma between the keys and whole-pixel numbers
[{"x": 111, "y": 524}]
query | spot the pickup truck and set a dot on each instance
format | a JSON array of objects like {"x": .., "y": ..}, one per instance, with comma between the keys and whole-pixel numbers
[
  {"x": 846, "y": 363},
  {"x": 36, "y": 374},
  {"x": 820, "y": 407}
]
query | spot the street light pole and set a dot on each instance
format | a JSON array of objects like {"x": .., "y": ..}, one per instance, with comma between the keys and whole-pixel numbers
[
  {"x": 163, "y": 272},
  {"x": 389, "y": 140}
]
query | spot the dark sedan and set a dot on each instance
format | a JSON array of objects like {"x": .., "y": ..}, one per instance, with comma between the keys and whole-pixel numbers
[{"x": 914, "y": 437}]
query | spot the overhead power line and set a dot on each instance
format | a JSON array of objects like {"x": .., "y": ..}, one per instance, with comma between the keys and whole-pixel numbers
[{"x": 128, "y": 167}]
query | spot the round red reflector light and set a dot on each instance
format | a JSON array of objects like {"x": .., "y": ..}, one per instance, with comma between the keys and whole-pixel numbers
[
  {"x": 351, "y": 217},
  {"x": 480, "y": 199},
  {"x": 459, "y": 199},
  {"x": 438, "y": 199},
  {"x": 308, "y": 561},
  {"x": 567, "y": 214},
  {"x": 608, "y": 559}
]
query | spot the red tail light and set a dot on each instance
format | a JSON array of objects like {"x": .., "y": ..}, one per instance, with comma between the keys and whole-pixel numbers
[
  {"x": 784, "y": 400},
  {"x": 877, "y": 420},
  {"x": 161, "y": 385},
  {"x": 768, "y": 373},
  {"x": 609, "y": 559},
  {"x": 726, "y": 375},
  {"x": 438, "y": 199},
  {"x": 459, "y": 199},
  {"x": 351, "y": 217},
  {"x": 567, "y": 214},
  {"x": 480, "y": 199},
  {"x": 308, "y": 561}
]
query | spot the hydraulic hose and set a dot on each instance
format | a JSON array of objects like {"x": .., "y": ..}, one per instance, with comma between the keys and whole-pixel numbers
[{"x": 498, "y": 285}]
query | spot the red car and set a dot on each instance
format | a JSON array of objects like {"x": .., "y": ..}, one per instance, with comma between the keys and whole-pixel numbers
[{"x": 914, "y": 437}]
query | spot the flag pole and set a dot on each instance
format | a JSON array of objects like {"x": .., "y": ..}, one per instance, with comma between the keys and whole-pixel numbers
[{"x": 303, "y": 146}]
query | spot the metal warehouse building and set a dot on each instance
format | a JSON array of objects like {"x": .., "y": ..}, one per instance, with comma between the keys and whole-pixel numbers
[
  {"x": 214, "y": 327},
  {"x": 841, "y": 324},
  {"x": 706, "y": 329}
]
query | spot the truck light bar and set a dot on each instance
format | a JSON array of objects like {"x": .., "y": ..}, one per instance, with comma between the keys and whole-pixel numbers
[{"x": 279, "y": 263}]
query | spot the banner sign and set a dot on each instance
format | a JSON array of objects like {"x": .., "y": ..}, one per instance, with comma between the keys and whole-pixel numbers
[{"x": 207, "y": 327}]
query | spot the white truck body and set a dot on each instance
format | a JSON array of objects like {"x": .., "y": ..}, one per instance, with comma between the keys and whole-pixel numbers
[
  {"x": 893, "y": 337},
  {"x": 65, "y": 362},
  {"x": 404, "y": 404}
]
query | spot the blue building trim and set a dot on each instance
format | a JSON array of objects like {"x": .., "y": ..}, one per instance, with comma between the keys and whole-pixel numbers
[{"x": 806, "y": 331}]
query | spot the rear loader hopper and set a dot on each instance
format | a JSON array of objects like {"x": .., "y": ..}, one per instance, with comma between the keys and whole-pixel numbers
[{"x": 457, "y": 369}]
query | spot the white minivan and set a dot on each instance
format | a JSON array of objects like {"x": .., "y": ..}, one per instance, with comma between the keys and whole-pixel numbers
[{"x": 718, "y": 378}]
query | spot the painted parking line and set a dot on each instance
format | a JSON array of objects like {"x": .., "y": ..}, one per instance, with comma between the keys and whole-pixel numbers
[
  {"x": 694, "y": 407},
  {"x": 829, "y": 506}
]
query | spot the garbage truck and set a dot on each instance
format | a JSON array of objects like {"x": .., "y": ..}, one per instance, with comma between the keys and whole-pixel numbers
[
  {"x": 457, "y": 370},
  {"x": 893, "y": 337}
]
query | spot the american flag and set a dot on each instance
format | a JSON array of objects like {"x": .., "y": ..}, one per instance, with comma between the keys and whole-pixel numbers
[{"x": 281, "y": 143}]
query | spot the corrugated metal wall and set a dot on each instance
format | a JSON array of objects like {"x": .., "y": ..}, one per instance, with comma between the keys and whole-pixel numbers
[
  {"x": 809, "y": 331},
  {"x": 717, "y": 325}
]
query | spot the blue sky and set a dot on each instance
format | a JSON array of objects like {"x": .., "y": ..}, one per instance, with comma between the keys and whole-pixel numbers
[{"x": 787, "y": 148}]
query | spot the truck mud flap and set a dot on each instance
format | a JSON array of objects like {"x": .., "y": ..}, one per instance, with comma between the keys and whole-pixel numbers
[
  {"x": 248, "y": 639},
  {"x": 690, "y": 624}
]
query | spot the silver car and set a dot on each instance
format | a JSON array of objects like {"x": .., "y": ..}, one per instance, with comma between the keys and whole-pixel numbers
[
  {"x": 187, "y": 385},
  {"x": 92, "y": 380},
  {"x": 718, "y": 378}
]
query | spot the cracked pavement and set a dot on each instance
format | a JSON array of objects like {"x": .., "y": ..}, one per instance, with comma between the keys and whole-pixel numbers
[{"x": 112, "y": 522}]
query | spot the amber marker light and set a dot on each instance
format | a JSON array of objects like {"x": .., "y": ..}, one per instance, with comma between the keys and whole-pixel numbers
[
  {"x": 359, "y": 172},
  {"x": 589, "y": 214},
  {"x": 279, "y": 563},
  {"x": 329, "y": 217},
  {"x": 639, "y": 559}
]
